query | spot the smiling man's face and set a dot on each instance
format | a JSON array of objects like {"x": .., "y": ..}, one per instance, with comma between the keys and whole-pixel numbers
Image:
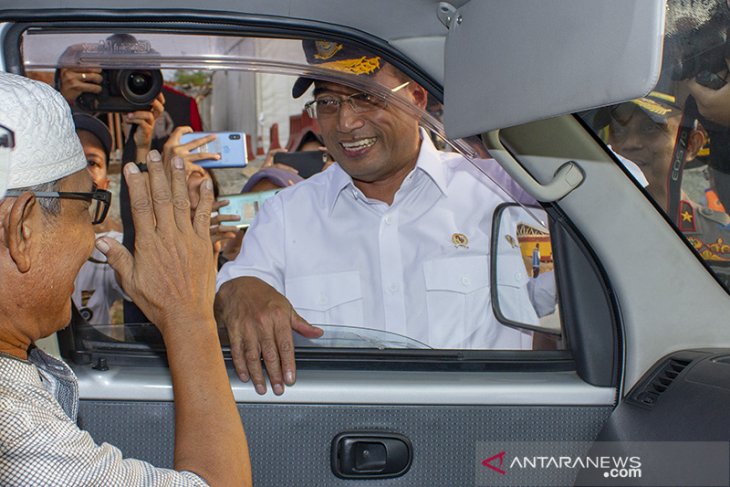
[
  {"x": 375, "y": 145},
  {"x": 647, "y": 143}
]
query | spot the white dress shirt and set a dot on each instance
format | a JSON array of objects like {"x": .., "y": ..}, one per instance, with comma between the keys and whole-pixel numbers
[{"x": 418, "y": 267}]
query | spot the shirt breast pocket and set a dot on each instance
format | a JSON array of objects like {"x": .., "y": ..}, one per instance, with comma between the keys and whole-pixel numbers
[
  {"x": 327, "y": 299},
  {"x": 457, "y": 298}
]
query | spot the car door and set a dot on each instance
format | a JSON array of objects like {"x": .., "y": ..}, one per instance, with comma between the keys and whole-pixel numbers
[{"x": 377, "y": 415}]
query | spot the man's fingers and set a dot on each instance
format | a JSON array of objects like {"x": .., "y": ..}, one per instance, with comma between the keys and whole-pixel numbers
[
  {"x": 140, "y": 202},
  {"x": 174, "y": 139},
  {"x": 285, "y": 344},
  {"x": 194, "y": 144},
  {"x": 119, "y": 259},
  {"x": 141, "y": 117},
  {"x": 89, "y": 88},
  {"x": 228, "y": 229},
  {"x": 205, "y": 207},
  {"x": 202, "y": 156},
  {"x": 227, "y": 218},
  {"x": 239, "y": 358},
  {"x": 252, "y": 358},
  {"x": 300, "y": 325},
  {"x": 270, "y": 354},
  {"x": 180, "y": 198},
  {"x": 160, "y": 190},
  {"x": 218, "y": 204}
]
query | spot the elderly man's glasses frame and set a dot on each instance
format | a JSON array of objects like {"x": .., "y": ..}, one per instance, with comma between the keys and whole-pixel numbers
[{"x": 101, "y": 197}]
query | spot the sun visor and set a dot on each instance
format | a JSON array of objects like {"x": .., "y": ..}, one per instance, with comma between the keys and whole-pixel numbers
[{"x": 517, "y": 61}]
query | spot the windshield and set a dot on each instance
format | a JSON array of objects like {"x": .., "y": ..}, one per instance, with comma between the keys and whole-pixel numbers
[{"x": 675, "y": 141}]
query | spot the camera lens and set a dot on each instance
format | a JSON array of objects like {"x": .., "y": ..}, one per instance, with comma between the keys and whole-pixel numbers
[
  {"x": 139, "y": 87},
  {"x": 139, "y": 83}
]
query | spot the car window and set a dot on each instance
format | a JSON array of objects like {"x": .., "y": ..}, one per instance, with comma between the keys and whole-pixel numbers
[
  {"x": 242, "y": 89},
  {"x": 674, "y": 140}
]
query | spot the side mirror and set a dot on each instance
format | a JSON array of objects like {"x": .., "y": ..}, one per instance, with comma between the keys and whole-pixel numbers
[{"x": 522, "y": 260}]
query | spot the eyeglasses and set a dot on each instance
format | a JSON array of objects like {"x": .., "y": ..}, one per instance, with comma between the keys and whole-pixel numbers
[
  {"x": 328, "y": 105},
  {"x": 100, "y": 199}
]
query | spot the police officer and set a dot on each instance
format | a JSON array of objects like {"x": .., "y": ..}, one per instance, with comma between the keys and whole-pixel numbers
[{"x": 645, "y": 131}]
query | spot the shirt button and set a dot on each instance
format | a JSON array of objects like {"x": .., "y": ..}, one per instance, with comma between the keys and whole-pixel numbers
[
  {"x": 322, "y": 298},
  {"x": 388, "y": 220},
  {"x": 465, "y": 281},
  {"x": 518, "y": 275},
  {"x": 393, "y": 288}
]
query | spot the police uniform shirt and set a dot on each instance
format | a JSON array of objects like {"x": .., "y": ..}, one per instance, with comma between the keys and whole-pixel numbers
[
  {"x": 96, "y": 287},
  {"x": 709, "y": 233},
  {"x": 418, "y": 268}
]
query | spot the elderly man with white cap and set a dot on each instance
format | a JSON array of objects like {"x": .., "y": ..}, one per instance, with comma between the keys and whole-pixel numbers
[{"x": 46, "y": 234}]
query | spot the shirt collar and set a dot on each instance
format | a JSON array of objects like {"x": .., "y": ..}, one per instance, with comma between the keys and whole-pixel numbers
[
  {"x": 19, "y": 370},
  {"x": 428, "y": 161}
]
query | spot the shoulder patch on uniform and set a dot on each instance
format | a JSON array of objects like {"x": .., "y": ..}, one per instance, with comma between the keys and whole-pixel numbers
[{"x": 686, "y": 218}]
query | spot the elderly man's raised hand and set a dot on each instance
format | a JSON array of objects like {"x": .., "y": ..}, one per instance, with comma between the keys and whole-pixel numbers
[{"x": 172, "y": 261}]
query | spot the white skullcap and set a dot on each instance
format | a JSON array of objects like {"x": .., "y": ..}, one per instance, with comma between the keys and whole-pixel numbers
[{"x": 46, "y": 145}]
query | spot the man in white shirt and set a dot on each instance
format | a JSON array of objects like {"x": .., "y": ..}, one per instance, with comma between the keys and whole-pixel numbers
[{"x": 395, "y": 236}]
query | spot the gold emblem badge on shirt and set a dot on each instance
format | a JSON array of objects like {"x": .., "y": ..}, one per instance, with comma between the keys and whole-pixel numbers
[{"x": 460, "y": 240}]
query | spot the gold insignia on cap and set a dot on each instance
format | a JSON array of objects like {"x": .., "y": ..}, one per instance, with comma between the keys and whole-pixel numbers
[
  {"x": 652, "y": 106},
  {"x": 686, "y": 216},
  {"x": 511, "y": 241},
  {"x": 327, "y": 49},
  {"x": 358, "y": 66},
  {"x": 460, "y": 240}
]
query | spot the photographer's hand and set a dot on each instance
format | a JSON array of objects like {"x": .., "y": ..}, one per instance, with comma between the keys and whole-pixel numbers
[
  {"x": 219, "y": 231},
  {"x": 74, "y": 82},
  {"x": 145, "y": 121},
  {"x": 173, "y": 147},
  {"x": 714, "y": 105}
]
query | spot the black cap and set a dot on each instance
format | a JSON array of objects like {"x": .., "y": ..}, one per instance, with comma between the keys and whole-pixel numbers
[
  {"x": 658, "y": 106},
  {"x": 337, "y": 57},
  {"x": 84, "y": 121}
]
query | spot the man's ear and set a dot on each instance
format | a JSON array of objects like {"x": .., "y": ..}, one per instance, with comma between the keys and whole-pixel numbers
[
  {"x": 420, "y": 95},
  {"x": 695, "y": 142},
  {"x": 17, "y": 230}
]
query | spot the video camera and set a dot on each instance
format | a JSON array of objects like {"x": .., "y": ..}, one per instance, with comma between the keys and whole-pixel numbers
[{"x": 123, "y": 90}]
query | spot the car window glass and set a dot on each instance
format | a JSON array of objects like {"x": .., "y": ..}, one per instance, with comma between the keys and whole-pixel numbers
[
  {"x": 674, "y": 140},
  {"x": 241, "y": 88}
]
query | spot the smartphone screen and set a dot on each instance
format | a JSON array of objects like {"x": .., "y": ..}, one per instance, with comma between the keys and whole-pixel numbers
[
  {"x": 230, "y": 145},
  {"x": 246, "y": 206}
]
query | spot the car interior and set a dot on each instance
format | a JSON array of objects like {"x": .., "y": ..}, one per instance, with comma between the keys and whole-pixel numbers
[{"x": 629, "y": 343}]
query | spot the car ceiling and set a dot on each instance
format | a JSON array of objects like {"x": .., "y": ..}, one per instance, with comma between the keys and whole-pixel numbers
[{"x": 380, "y": 18}]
